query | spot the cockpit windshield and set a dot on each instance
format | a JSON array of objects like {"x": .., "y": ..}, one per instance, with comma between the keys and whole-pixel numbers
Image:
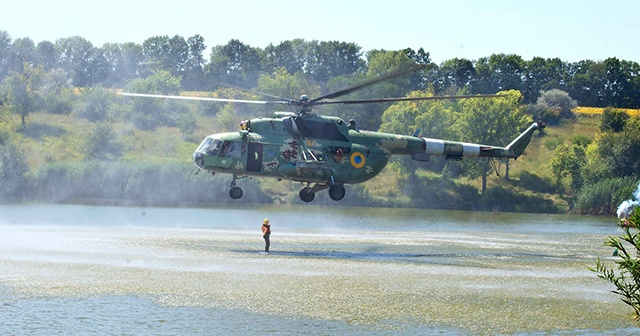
[{"x": 209, "y": 146}]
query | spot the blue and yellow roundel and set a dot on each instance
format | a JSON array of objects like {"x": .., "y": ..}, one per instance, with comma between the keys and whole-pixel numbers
[{"x": 357, "y": 160}]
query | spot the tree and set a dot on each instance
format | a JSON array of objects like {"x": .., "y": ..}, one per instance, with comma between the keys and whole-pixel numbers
[
  {"x": 234, "y": 63},
  {"x": 23, "y": 51},
  {"x": 193, "y": 78},
  {"x": 46, "y": 55},
  {"x": 13, "y": 167},
  {"x": 494, "y": 121},
  {"x": 329, "y": 59},
  {"x": 499, "y": 72},
  {"x": 19, "y": 99},
  {"x": 57, "y": 93},
  {"x": 619, "y": 90},
  {"x": 454, "y": 74},
  {"x": 568, "y": 162},
  {"x": 5, "y": 53},
  {"x": 587, "y": 83},
  {"x": 291, "y": 55},
  {"x": 86, "y": 64},
  {"x": 433, "y": 118},
  {"x": 611, "y": 82},
  {"x": 124, "y": 62},
  {"x": 555, "y": 100},
  {"x": 176, "y": 55},
  {"x": 167, "y": 53},
  {"x": 150, "y": 113},
  {"x": 621, "y": 150},
  {"x": 418, "y": 78},
  {"x": 543, "y": 75}
]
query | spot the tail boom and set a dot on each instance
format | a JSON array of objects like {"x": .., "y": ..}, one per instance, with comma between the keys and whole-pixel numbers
[{"x": 457, "y": 150}]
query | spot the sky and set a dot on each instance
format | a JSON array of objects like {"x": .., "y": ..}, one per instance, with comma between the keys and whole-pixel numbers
[{"x": 572, "y": 30}]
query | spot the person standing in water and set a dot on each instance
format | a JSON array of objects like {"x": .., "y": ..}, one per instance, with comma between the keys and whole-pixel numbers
[{"x": 266, "y": 232}]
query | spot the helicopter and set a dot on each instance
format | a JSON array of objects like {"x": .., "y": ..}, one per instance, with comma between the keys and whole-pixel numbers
[{"x": 325, "y": 152}]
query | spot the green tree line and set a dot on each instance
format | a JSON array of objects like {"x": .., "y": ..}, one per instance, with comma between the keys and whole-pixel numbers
[
  {"x": 598, "y": 173},
  {"x": 597, "y": 83}
]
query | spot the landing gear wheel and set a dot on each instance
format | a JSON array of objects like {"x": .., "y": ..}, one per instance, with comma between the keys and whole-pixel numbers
[
  {"x": 235, "y": 192},
  {"x": 307, "y": 195},
  {"x": 336, "y": 192}
]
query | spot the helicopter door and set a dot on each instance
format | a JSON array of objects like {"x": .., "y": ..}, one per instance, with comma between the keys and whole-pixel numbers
[{"x": 254, "y": 157}]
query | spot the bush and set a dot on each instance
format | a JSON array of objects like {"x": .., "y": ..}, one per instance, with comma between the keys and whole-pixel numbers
[
  {"x": 60, "y": 103},
  {"x": 553, "y": 107},
  {"x": 558, "y": 100},
  {"x": 534, "y": 182},
  {"x": 94, "y": 104},
  {"x": 552, "y": 143},
  {"x": 102, "y": 143},
  {"x": 602, "y": 197},
  {"x": 613, "y": 120},
  {"x": 626, "y": 276},
  {"x": 13, "y": 167}
]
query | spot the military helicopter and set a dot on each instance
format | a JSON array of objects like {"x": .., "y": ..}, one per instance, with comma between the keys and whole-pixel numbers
[{"x": 325, "y": 152}]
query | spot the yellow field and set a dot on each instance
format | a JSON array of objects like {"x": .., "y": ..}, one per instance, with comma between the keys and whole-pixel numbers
[{"x": 581, "y": 110}]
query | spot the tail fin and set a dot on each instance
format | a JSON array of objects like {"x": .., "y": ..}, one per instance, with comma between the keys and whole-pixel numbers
[{"x": 517, "y": 146}]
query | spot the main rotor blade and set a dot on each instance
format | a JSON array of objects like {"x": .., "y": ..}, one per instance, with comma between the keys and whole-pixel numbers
[
  {"x": 227, "y": 100},
  {"x": 388, "y": 100},
  {"x": 243, "y": 89},
  {"x": 369, "y": 82}
]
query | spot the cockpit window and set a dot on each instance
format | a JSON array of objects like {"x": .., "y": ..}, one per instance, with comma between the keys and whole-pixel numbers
[
  {"x": 214, "y": 148},
  {"x": 204, "y": 144},
  {"x": 231, "y": 149},
  {"x": 209, "y": 146}
]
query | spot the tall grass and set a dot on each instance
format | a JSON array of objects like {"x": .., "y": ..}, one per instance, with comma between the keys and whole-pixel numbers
[{"x": 604, "y": 197}]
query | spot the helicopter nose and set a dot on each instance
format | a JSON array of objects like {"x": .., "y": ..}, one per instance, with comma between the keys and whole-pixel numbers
[{"x": 198, "y": 159}]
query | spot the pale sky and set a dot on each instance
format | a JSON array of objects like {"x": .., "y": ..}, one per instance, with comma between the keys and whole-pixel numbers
[{"x": 572, "y": 30}]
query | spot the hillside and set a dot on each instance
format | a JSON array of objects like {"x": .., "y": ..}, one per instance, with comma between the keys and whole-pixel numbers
[{"x": 60, "y": 139}]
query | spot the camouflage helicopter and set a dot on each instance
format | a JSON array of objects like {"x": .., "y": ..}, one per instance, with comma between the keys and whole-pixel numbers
[{"x": 325, "y": 152}]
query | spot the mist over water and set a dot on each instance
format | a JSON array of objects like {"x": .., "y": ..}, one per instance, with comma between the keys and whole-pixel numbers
[{"x": 331, "y": 271}]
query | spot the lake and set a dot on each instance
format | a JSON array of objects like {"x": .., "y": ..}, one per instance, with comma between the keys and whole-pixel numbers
[{"x": 94, "y": 270}]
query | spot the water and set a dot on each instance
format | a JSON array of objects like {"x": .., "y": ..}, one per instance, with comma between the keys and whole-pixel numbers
[{"x": 67, "y": 269}]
